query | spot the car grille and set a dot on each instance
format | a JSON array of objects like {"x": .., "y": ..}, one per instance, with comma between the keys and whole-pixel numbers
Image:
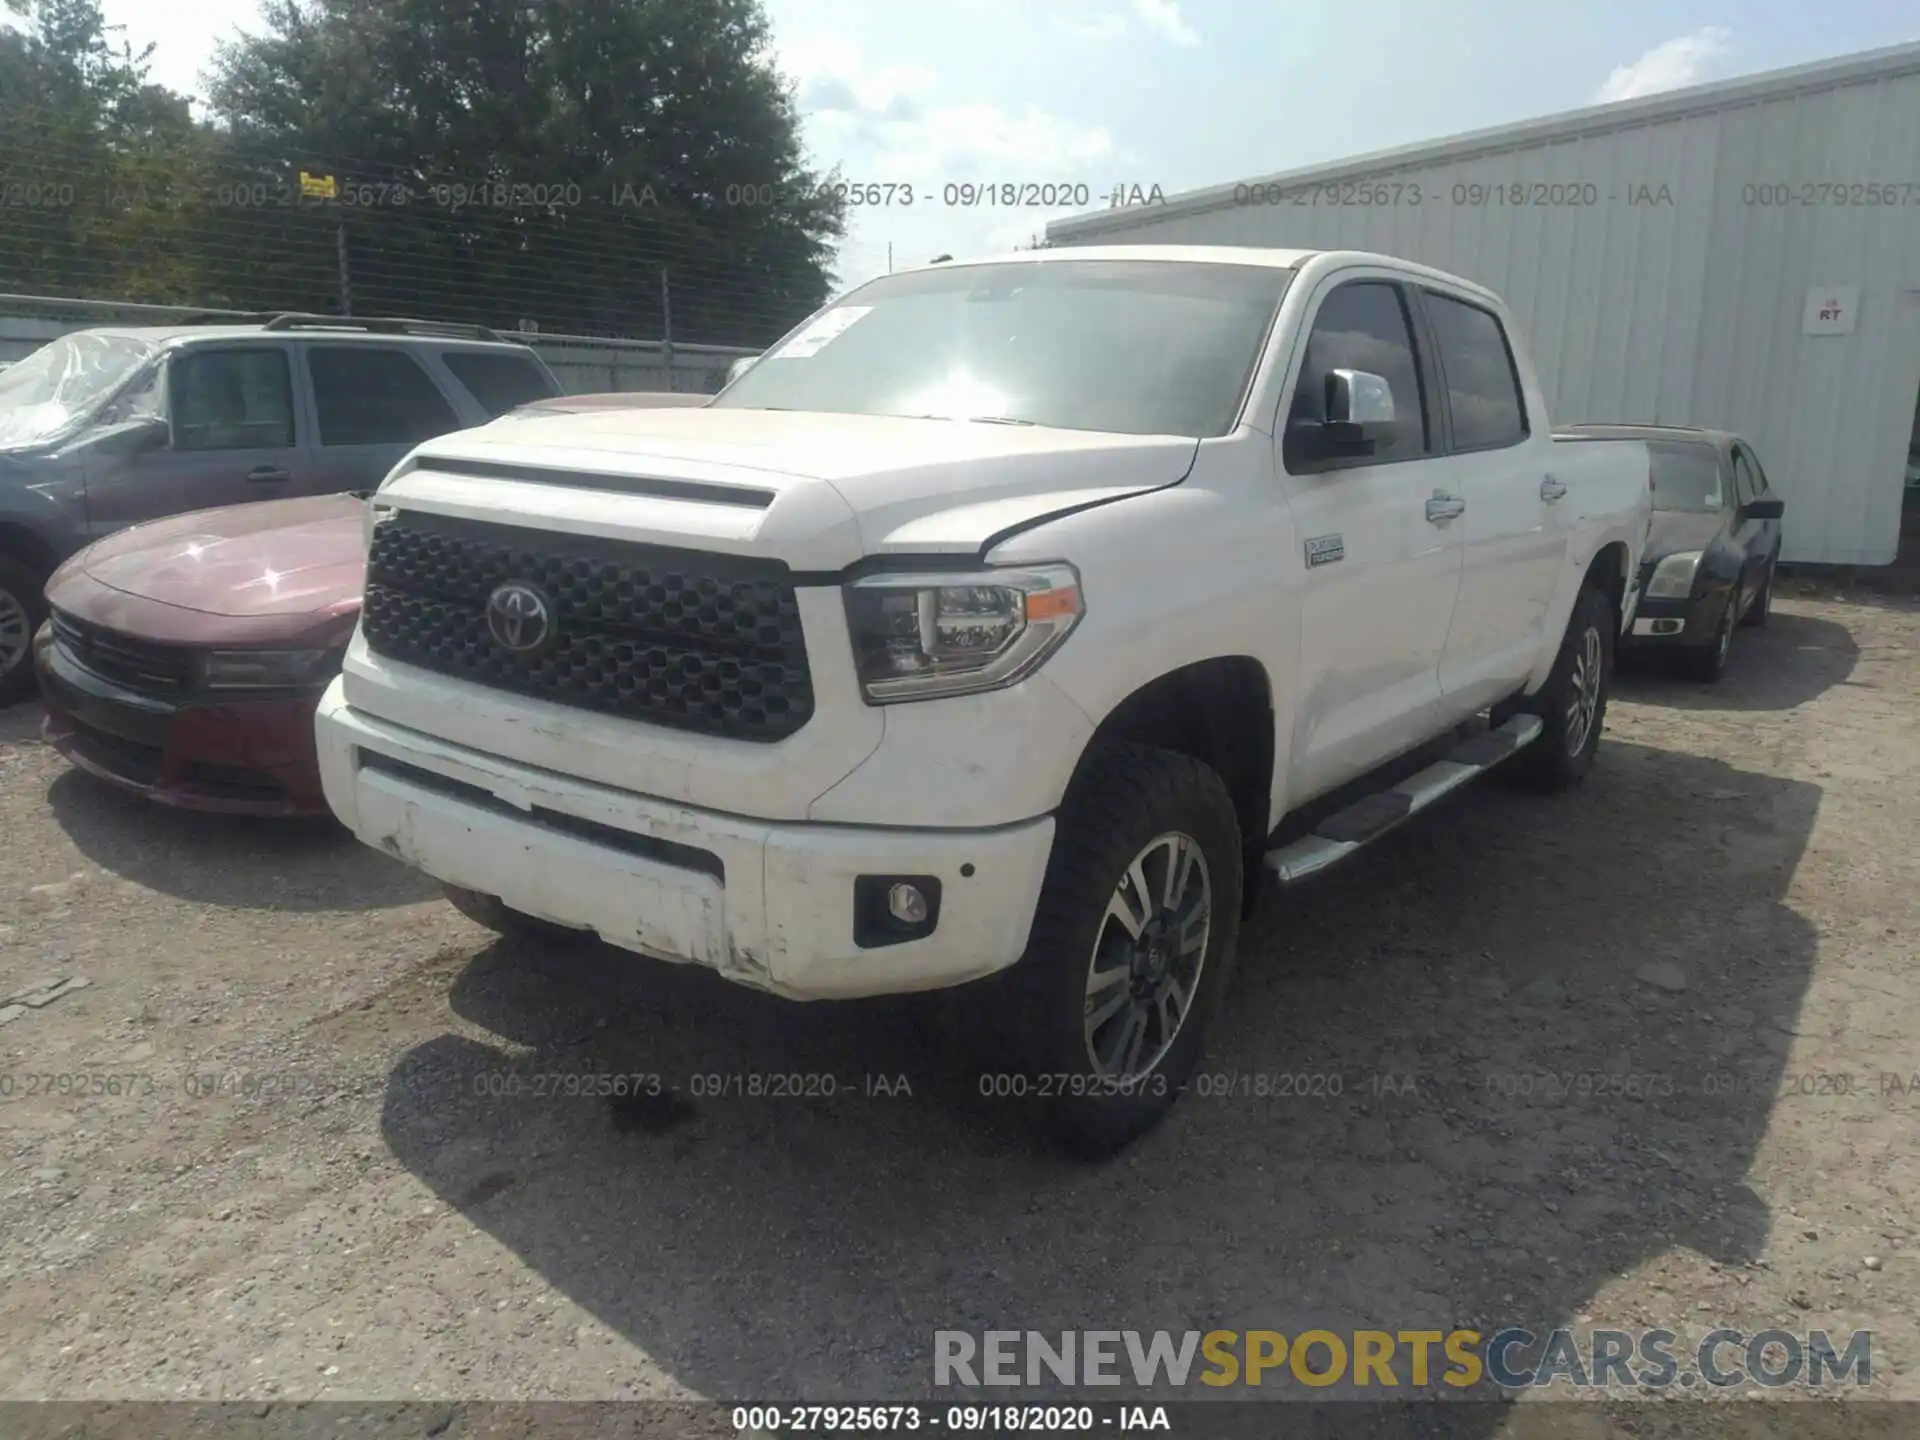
[
  {"x": 129, "y": 759},
  {"x": 709, "y": 643},
  {"x": 136, "y": 664}
]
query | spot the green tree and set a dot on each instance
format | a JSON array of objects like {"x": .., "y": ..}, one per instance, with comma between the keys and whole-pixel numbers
[
  {"x": 90, "y": 153},
  {"x": 500, "y": 160}
]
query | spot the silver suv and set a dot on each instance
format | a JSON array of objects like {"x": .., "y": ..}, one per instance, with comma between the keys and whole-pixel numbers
[{"x": 101, "y": 429}]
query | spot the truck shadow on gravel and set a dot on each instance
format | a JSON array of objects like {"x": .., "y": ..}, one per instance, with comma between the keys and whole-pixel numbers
[
  {"x": 226, "y": 860},
  {"x": 1533, "y": 1043},
  {"x": 1792, "y": 660}
]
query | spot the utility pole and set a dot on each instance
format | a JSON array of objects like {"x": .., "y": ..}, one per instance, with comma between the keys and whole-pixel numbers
[
  {"x": 327, "y": 187},
  {"x": 666, "y": 325},
  {"x": 889, "y": 257},
  {"x": 346, "y": 280}
]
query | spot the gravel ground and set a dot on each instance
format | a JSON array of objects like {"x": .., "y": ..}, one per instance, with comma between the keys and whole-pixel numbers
[{"x": 1722, "y": 922}]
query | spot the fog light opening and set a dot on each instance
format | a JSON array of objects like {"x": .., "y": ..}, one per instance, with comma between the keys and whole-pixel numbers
[
  {"x": 894, "y": 909},
  {"x": 907, "y": 904}
]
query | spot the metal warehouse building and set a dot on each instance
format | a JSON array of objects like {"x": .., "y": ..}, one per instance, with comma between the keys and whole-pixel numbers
[{"x": 1744, "y": 255}]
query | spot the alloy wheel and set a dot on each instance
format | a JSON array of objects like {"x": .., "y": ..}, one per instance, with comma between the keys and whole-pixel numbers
[
  {"x": 1584, "y": 705},
  {"x": 1144, "y": 973}
]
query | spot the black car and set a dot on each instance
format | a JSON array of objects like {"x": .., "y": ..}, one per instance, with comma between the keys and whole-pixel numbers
[{"x": 1715, "y": 543}]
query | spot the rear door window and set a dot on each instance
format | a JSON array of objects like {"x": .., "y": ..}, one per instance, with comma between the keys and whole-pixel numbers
[
  {"x": 500, "y": 382},
  {"x": 370, "y": 395},
  {"x": 1483, "y": 383}
]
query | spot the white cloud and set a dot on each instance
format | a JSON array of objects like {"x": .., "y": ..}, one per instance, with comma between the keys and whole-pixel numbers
[
  {"x": 830, "y": 75},
  {"x": 998, "y": 144},
  {"x": 1099, "y": 28},
  {"x": 1674, "y": 65},
  {"x": 976, "y": 148},
  {"x": 1163, "y": 18},
  {"x": 890, "y": 123},
  {"x": 1160, "y": 18}
]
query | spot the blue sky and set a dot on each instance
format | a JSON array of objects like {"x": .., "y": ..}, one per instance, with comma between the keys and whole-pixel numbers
[{"x": 1183, "y": 93}]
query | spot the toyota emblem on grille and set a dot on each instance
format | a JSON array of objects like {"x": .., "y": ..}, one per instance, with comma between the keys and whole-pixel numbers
[{"x": 519, "y": 617}]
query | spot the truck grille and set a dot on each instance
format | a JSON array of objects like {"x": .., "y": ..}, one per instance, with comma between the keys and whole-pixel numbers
[
  {"x": 709, "y": 643},
  {"x": 139, "y": 665}
]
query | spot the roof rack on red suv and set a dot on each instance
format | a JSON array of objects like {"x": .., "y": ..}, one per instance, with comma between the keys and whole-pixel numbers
[{"x": 382, "y": 325}]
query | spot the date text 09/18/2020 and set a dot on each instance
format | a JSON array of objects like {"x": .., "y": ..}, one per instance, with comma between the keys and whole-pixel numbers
[
  {"x": 881, "y": 194},
  {"x": 1471, "y": 194},
  {"x": 699, "y": 1085},
  {"x": 1069, "y": 1419}
]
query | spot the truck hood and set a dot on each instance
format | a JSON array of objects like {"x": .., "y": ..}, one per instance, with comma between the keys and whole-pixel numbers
[
  {"x": 274, "y": 557},
  {"x": 818, "y": 491}
]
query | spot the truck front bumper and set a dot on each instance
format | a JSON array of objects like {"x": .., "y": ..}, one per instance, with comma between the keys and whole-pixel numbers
[{"x": 780, "y": 906}]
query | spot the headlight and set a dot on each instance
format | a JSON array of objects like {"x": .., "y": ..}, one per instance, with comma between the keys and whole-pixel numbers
[
  {"x": 1672, "y": 578},
  {"x": 919, "y": 637},
  {"x": 268, "y": 669}
]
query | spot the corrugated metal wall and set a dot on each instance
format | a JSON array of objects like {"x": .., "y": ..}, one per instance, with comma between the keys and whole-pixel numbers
[{"x": 1686, "y": 312}]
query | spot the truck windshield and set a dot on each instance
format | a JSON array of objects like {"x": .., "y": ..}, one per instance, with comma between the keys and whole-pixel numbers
[
  {"x": 57, "y": 388},
  {"x": 1150, "y": 347},
  {"x": 1686, "y": 477}
]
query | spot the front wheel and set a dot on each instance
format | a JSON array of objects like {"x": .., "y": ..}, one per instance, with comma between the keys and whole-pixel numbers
[
  {"x": 1709, "y": 663},
  {"x": 22, "y": 608},
  {"x": 1762, "y": 606},
  {"x": 1572, "y": 705},
  {"x": 1130, "y": 950}
]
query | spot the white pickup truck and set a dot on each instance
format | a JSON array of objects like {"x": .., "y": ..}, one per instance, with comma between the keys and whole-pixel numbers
[{"x": 1009, "y": 619}]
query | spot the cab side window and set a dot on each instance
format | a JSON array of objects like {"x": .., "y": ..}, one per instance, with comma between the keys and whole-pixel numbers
[{"x": 1362, "y": 325}]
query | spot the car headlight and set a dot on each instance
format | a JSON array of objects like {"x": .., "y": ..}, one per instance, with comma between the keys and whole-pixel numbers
[
  {"x": 923, "y": 636},
  {"x": 268, "y": 669},
  {"x": 1672, "y": 578}
]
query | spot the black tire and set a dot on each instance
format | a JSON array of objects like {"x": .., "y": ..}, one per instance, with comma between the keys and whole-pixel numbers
[
  {"x": 1762, "y": 607},
  {"x": 23, "y": 606},
  {"x": 489, "y": 911},
  {"x": 1708, "y": 663},
  {"x": 1561, "y": 755},
  {"x": 1125, "y": 800}
]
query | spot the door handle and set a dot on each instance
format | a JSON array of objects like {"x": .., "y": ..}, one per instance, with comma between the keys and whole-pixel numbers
[
  {"x": 269, "y": 472},
  {"x": 1551, "y": 489},
  {"x": 1444, "y": 507}
]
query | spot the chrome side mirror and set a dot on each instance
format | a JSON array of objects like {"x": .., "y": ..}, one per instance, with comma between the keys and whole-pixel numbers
[{"x": 1360, "y": 401}]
